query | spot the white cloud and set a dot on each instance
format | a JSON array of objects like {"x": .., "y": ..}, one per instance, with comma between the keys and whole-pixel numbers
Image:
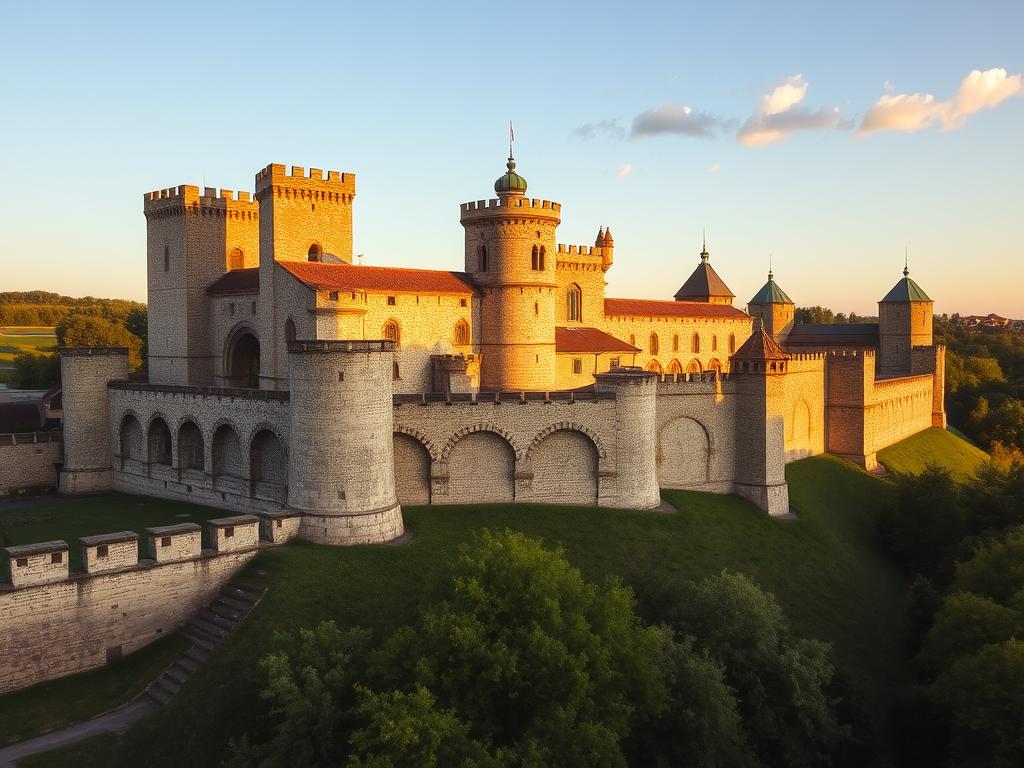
[
  {"x": 888, "y": 87},
  {"x": 715, "y": 168},
  {"x": 624, "y": 170},
  {"x": 779, "y": 114},
  {"x": 608, "y": 128},
  {"x": 677, "y": 118},
  {"x": 912, "y": 112}
]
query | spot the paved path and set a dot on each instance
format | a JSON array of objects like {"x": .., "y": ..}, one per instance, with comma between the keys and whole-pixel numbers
[{"x": 114, "y": 721}]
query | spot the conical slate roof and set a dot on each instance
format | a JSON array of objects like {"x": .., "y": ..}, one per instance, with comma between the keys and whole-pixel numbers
[
  {"x": 906, "y": 290},
  {"x": 760, "y": 346},
  {"x": 770, "y": 293},
  {"x": 704, "y": 283}
]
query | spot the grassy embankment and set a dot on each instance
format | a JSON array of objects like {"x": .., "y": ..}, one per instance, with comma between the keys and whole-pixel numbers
[{"x": 825, "y": 569}]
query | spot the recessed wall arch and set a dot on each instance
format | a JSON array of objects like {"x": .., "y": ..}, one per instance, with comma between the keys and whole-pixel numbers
[
  {"x": 420, "y": 438},
  {"x": 570, "y": 426},
  {"x": 481, "y": 427}
]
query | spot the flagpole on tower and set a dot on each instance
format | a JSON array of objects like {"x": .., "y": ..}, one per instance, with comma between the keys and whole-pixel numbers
[{"x": 511, "y": 138}]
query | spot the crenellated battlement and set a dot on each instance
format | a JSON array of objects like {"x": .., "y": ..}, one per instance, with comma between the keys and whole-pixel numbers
[
  {"x": 580, "y": 250},
  {"x": 510, "y": 206},
  {"x": 187, "y": 199},
  {"x": 278, "y": 179}
]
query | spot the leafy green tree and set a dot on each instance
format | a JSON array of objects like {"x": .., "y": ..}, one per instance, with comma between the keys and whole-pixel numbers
[
  {"x": 925, "y": 524},
  {"x": 966, "y": 623},
  {"x": 82, "y": 330},
  {"x": 36, "y": 371},
  {"x": 781, "y": 680},
  {"x": 985, "y": 693},
  {"x": 996, "y": 570},
  {"x": 137, "y": 323}
]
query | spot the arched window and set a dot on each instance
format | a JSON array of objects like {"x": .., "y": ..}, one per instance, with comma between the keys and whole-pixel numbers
[
  {"x": 289, "y": 330},
  {"x": 481, "y": 257},
  {"x": 574, "y": 302},
  {"x": 632, "y": 340},
  {"x": 167, "y": 258},
  {"x": 675, "y": 343},
  {"x": 236, "y": 259},
  {"x": 694, "y": 366},
  {"x": 654, "y": 344},
  {"x": 732, "y": 343},
  {"x": 542, "y": 252},
  {"x": 461, "y": 333},
  {"x": 714, "y": 343},
  {"x": 535, "y": 259},
  {"x": 315, "y": 253},
  {"x": 391, "y": 331},
  {"x": 695, "y": 343},
  {"x": 394, "y": 371}
]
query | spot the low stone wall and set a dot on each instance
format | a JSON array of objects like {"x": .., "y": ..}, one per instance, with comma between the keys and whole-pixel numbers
[
  {"x": 54, "y": 622},
  {"x": 28, "y": 461}
]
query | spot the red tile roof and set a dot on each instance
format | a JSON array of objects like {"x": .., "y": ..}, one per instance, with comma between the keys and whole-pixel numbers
[
  {"x": 576, "y": 340},
  {"x": 655, "y": 308},
  {"x": 347, "y": 277},
  {"x": 236, "y": 281}
]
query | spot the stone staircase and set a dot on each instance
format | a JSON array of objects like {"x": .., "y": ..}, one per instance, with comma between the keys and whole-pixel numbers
[{"x": 208, "y": 629}]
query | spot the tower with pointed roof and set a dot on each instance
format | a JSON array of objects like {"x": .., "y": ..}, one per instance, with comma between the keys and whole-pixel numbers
[
  {"x": 704, "y": 284},
  {"x": 510, "y": 252},
  {"x": 773, "y": 308},
  {"x": 904, "y": 322}
]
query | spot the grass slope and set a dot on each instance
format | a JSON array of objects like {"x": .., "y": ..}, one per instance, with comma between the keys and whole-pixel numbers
[
  {"x": 823, "y": 568},
  {"x": 933, "y": 446},
  {"x": 45, "y": 518}
]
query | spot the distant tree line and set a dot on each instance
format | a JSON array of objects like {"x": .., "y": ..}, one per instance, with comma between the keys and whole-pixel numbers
[
  {"x": 963, "y": 544},
  {"x": 817, "y": 315},
  {"x": 79, "y": 322}
]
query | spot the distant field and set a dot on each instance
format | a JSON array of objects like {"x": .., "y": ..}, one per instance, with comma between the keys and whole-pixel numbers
[{"x": 15, "y": 339}]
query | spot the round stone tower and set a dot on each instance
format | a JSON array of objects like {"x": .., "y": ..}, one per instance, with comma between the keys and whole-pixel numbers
[
  {"x": 511, "y": 253},
  {"x": 341, "y": 468},
  {"x": 635, "y": 482},
  {"x": 85, "y": 373}
]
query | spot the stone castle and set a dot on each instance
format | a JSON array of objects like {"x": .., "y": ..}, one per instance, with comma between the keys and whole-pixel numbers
[{"x": 282, "y": 376}]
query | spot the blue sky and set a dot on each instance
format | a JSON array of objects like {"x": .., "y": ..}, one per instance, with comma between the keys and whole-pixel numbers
[{"x": 103, "y": 102}]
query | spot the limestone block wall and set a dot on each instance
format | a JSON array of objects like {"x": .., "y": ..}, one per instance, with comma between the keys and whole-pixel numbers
[
  {"x": 28, "y": 461},
  {"x": 581, "y": 266},
  {"x": 696, "y": 433},
  {"x": 676, "y": 352},
  {"x": 803, "y": 393},
  {"x": 513, "y": 446},
  {"x": 897, "y": 409},
  {"x": 224, "y": 448},
  {"x": 229, "y": 315},
  {"x": 66, "y": 623}
]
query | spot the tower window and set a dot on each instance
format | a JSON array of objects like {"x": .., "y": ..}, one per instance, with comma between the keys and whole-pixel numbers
[
  {"x": 236, "y": 259},
  {"x": 289, "y": 330},
  {"x": 462, "y": 302},
  {"x": 537, "y": 258},
  {"x": 391, "y": 301},
  {"x": 461, "y": 333},
  {"x": 695, "y": 343},
  {"x": 542, "y": 254},
  {"x": 231, "y": 309},
  {"x": 334, "y": 295},
  {"x": 577, "y": 365},
  {"x": 315, "y": 253},
  {"x": 167, "y": 259},
  {"x": 481, "y": 257},
  {"x": 394, "y": 371},
  {"x": 392, "y": 332},
  {"x": 732, "y": 343},
  {"x": 574, "y": 302},
  {"x": 675, "y": 343},
  {"x": 714, "y": 343},
  {"x": 632, "y": 339},
  {"x": 654, "y": 344}
]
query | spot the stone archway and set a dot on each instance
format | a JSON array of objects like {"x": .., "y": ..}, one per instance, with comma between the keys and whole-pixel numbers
[{"x": 242, "y": 359}]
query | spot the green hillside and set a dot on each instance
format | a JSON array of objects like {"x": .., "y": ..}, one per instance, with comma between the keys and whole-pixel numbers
[
  {"x": 824, "y": 567},
  {"x": 933, "y": 446}
]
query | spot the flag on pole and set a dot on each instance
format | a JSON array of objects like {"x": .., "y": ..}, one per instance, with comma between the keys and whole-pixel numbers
[{"x": 511, "y": 133}]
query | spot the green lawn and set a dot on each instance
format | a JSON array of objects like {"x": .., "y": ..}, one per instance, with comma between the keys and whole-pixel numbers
[
  {"x": 824, "y": 568},
  {"x": 933, "y": 446},
  {"x": 59, "y": 703},
  {"x": 46, "y": 519},
  {"x": 15, "y": 340}
]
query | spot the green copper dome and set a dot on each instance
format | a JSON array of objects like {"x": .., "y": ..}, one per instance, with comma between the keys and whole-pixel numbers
[
  {"x": 771, "y": 293},
  {"x": 511, "y": 182}
]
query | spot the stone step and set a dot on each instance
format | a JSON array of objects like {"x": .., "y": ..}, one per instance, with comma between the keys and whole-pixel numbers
[
  {"x": 219, "y": 607},
  {"x": 197, "y": 654},
  {"x": 178, "y": 673},
  {"x": 201, "y": 639},
  {"x": 216, "y": 619},
  {"x": 250, "y": 583},
  {"x": 159, "y": 695},
  {"x": 169, "y": 684},
  {"x": 189, "y": 663},
  {"x": 212, "y": 630},
  {"x": 242, "y": 595},
  {"x": 232, "y": 603}
]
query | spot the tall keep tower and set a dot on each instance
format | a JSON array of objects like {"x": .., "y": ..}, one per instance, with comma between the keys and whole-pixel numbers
[
  {"x": 904, "y": 322},
  {"x": 774, "y": 308},
  {"x": 511, "y": 254},
  {"x": 191, "y": 240},
  {"x": 303, "y": 217}
]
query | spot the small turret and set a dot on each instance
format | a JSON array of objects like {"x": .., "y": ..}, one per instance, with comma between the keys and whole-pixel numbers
[
  {"x": 511, "y": 183},
  {"x": 773, "y": 308},
  {"x": 607, "y": 248}
]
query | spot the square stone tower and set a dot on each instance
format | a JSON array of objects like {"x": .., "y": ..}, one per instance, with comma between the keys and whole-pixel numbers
[{"x": 904, "y": 322}]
